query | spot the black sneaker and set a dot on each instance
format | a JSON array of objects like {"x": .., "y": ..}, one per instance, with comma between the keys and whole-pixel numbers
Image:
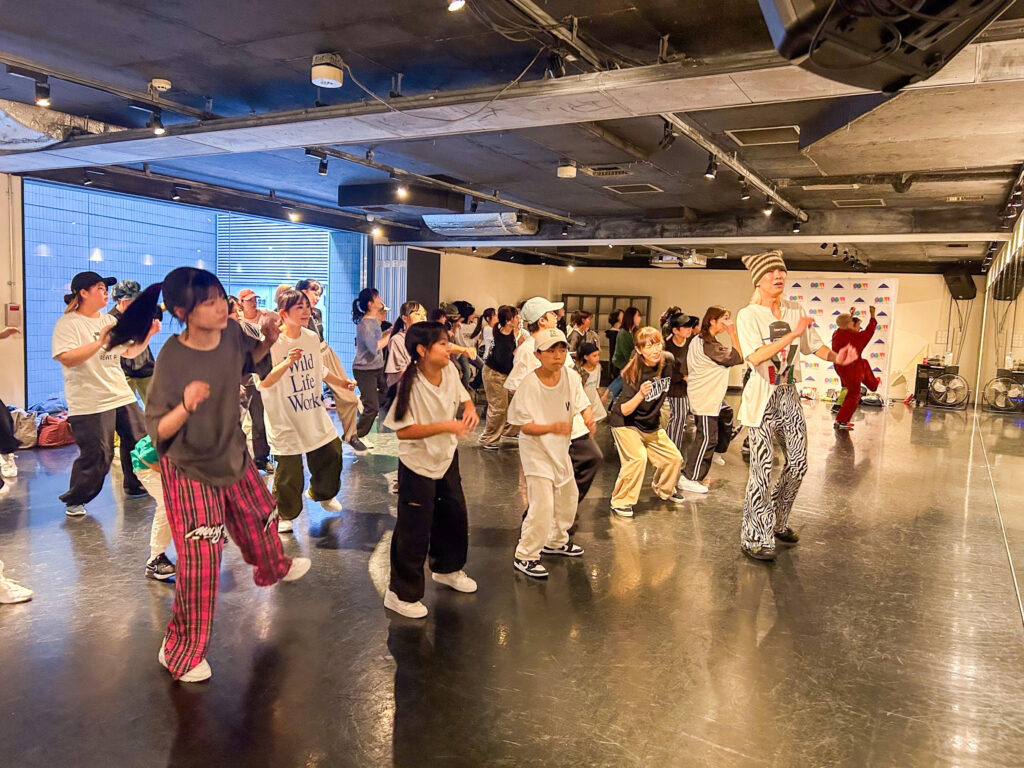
[
  {"x": 266, "y": 466},
  {"x": 676, "y": 497},
  {"x": 566, "y": 550},
  {"x": 160, "y": 568},
  {"x": 358, "y": 446},
  {"x": 531, "y": 568},
  {"x": 788, "y": 535},
  {"x": 759, "y": 552},
  {"x": 622, "y": 511},
  {"x": 135, "y": 493}
]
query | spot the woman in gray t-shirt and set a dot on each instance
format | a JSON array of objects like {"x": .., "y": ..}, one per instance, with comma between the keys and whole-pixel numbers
[{"x": 368, "y": 365}]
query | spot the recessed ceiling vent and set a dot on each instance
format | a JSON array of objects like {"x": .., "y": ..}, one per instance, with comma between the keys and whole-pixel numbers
[
  {"x": 602, "y": 171},
  {"x": 958, "y": 245},
  {"x": 864, "y": 202},
  {"x": 633, "y": 189},
  {"x": 965, "y": 198},
  {"x": 762, "y": 137}
]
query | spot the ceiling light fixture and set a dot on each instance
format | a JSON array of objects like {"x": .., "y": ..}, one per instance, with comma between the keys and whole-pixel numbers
[
  {"x": 87, "y": 180},
  {"x": 744, "y": 190},
  {"x": 835, "y": 251},
  {"x": 376, "y": 231},
  {"x": 769, "y": 207},
  {"x": 456, "y": 5},
  {"x": 712, "y": 170},
  {"x": 474, "y": 205},
  {"x": 566, "y": 169},
  {"x": 668, "y": 136},
  {"x": 572, "y": 268},
  {"x": 796, "y": 226},
  {"x": 176, "y": 191},
  {"x": 473, "y": 249},
  {"x": 565, "y": 230},
  {"x": 370, "y": 217},
  {"x": 156, "y": 123},
  {"x": 322, "y": 167},
  {"x": 43, "y": 92},
  {"x": 291, "y": 213}
]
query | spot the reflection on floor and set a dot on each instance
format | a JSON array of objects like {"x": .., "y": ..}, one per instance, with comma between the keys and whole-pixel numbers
[{"x": 891, "y": 636}]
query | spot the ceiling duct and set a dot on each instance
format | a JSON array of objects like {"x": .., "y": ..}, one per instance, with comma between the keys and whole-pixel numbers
[
  {"x": 481, "y": 224},
  {"x": 26, "y": 126}
]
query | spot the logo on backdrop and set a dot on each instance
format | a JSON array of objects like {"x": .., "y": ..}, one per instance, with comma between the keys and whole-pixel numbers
[
  {"x": 838, "y": 299},
  {"x": 817, "y": 285},
  {"x": 796, "y": 297},
  {"x": 861, "y": 286}
]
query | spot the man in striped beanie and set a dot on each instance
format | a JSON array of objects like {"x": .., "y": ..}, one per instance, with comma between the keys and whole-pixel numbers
[{"x": 760, "y": 264}]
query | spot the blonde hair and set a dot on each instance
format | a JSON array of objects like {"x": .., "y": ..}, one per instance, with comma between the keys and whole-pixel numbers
[
  {"x": 74, "y": 304},
  {"x": 644, "y": 336}
]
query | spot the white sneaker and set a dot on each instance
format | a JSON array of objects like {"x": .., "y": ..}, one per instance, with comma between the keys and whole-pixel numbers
[
  {"x": 458, "y": 581},
  {"x": 75, "y": 510},
  {"x": 692, "y": 486},
  {"x": 197, "y": 674},
  {"x": 415, "y": 610},
  {"x": 331, "y": 505},
  {"x": 7, "y": 466},
  {"x": 284, "y": 526},
  {"x": 718, "y": 459},
  {"x": 300, "y": 566},
  {"x": 13, "y": 592}
]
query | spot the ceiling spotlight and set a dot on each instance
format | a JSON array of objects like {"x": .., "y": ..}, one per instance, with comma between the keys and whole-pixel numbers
[
  {"x": 835, "y": 251},
  {"x": 473, "y": 249},
  {"x": 401, "y": 191},
  {"x": 769, "y": 207},
  {"x": 43, "y": 92},
  {"x": 376, "y": 231},
  {"x": 456, "y": 5},
  {"x": 474, "y": 205},
  {"x": 290, "y": 212},
  {"x": 744, "y": 190},
  {"x": 610, "y": 245},
  {"x": 322, "y": 167},
  {"x": 176, "y": 191},
  {"x": 712, "y": 169},
  {"x": 87, "y": 180},
  {"x": 668, "y": 136},
  {"x": 1011, "y": 212},
  {"x": 370, "y": 217},
  {"x": 823, "y": 246},
  {"x": 572, "y": 268},
  {"x": 566, "y": 169},
  {"x": 565, "y": 230},
  {"x": 155, "y": 123},
  {"x": 796, "y": 226}
]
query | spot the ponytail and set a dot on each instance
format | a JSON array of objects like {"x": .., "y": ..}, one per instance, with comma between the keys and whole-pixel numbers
[
  {"x": 486, "y": 316},
  {"x": 134, "y": 324},
  {"x": 712, "y": 314},
  {"x": 361, "y": 304},
  {"x": 183, "y": 288},
  {"x": 423, "y": 335}
]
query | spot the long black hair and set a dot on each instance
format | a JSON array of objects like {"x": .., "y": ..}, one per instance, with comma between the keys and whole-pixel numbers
[
  {"x": 361, "y": 305},
  {"x": 631, "y": 320},
  {"x": 183, "y": 288},
  {"x": 484, "y": 318},
  {"x": 423, "y": 335}
]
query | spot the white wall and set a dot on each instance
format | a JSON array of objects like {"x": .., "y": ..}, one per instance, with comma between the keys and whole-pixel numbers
[
  {"x": 922, "y": 301},
  {"x": 12, "y": 350}
]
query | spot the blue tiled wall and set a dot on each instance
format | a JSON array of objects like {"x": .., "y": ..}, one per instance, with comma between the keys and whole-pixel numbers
[
  {"x": 73, "y": 229},
  {"x": 70, "y": 230}
]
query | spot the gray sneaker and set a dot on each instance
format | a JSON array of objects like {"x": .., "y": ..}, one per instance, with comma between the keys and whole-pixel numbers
[
  {"x": 75, "y": 510},
  {"x": 358, "y": 446}
]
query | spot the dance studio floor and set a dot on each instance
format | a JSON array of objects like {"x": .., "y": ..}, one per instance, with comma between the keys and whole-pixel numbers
[{"x": 891, "y": 635}]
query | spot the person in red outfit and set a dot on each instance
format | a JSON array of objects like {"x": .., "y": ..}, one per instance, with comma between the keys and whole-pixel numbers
[{"x": 859, "y": 371}]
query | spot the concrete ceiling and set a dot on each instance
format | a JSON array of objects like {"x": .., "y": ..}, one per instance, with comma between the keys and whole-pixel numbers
[{"x": 252, "y": 58}]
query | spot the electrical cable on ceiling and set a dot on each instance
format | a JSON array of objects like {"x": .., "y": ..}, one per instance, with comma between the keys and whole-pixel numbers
[
  {"x": 945, "y": 19},
  {"x": 474, "y": 113}
]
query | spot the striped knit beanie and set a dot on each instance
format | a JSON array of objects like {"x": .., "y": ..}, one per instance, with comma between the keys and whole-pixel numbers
[{"x": 760, "y": 264}]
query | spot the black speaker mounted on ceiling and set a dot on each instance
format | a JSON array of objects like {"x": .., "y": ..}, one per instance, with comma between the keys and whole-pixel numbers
[
  {"x": 961, "y": 284},
  {"x": 882, "y": 45}
]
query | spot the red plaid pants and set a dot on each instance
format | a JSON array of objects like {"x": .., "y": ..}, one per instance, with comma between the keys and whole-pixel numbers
[{"x": 201, "y": 518}]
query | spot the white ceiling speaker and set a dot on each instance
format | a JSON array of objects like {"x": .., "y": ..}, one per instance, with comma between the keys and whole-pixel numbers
[
  {"x": 566, "y": 169},
  {"x": 327, "y": 70},
  {"x": 159, "y": 85}
]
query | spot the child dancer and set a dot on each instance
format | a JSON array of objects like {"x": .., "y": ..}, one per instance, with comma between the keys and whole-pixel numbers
[
  {"x": 681, "y": 328},
  {"x": 635, "y": 419},
  {"x": 146, "y": 464},
  {"x": 708, "y": 363},
  {"x": 496, "y": 370},
  {"x": 545, "y": 403},
  {"x": 588, "y": 366},
  {"x": 296, "y": 419},
  {"x": 773, "y": 334},
  {"x": 432, "y": 518},
  {"x": 211, "y": 485}
]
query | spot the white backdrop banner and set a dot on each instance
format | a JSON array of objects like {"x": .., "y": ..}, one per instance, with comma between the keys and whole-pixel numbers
[{"x": 826, "y": 296}]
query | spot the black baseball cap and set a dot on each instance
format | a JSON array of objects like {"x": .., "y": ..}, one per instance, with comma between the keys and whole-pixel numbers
[
  {"x": 682, "y": 320},
  {"x": 85, "y": 280},
  {"x": 587, "y": 348}
]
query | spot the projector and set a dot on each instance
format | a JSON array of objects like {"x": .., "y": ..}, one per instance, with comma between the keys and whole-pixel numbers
[{"x": 677, "y": 260}]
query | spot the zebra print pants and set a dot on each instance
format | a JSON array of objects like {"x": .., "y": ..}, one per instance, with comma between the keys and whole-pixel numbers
[{"x": 766, "y": 508}]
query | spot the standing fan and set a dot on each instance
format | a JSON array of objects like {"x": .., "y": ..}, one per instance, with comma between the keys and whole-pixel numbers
[
  {"x": 948, "y": 391},
  {"x": 1003, "y": 394}
]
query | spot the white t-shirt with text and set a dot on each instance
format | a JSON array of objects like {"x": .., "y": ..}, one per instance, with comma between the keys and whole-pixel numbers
[
  {"x": 430, "y": 456},
  {"x": 525, "y": 362},
  {"x": 98, "y": 384},
  {"x": 756, "y": 327},
  {"x": 535, "y": 402},
  {"x": 293, "y": 407}
]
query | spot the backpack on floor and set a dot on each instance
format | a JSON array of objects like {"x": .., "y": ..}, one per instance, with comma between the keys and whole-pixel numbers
[
  {"x": 26, "y": 429},
  {"x": 55, "y": 431}
]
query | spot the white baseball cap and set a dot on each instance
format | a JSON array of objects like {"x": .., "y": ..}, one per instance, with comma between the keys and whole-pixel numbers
[
  {"x": 534, "y": 309},
  {"x": 548, "y": 338}
]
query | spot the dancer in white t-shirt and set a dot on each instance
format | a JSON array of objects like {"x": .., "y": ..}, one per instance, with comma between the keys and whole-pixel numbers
[
  {"x": 773, "y": 334},
  {"x": 544, "y": 406},
  {"x": 432, "y": 517},
  {"x": 296, "y": 420},
  {"x": 100, "y": 401}
]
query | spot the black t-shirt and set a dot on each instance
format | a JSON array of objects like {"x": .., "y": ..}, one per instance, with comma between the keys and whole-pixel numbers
[
  {"x": 678, "y": 387},
  {"x": 502, "y": 353},
  {"x": 647, "y": 416}
]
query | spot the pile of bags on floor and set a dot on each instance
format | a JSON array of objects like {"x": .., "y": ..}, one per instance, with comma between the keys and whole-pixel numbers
[{"x": 43, "y": 425}]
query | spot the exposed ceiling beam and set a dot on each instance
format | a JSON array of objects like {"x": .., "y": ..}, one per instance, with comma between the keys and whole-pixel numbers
[
  {"x": 609, "y": 137},
  {"x": 657, "y": 89},
  {"x": 900, "y": 178}
]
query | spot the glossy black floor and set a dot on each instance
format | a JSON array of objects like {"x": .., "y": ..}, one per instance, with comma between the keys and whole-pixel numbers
[{"x": 891, "y": 636}]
